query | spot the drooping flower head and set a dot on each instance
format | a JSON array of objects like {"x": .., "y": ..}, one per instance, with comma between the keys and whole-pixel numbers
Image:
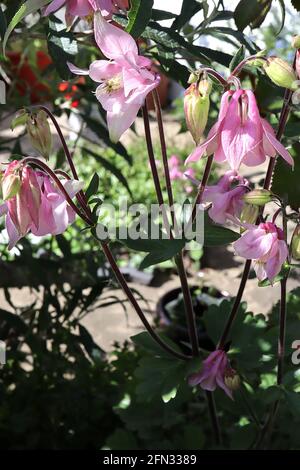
[
  {"x": 83, "y": 8},
  {"x": 34, "y": 203},
  {"x": 125, "y": 80},
  {"x": 240, "y": 135},
  {"x": 213, "y": 374},
  {"x": 265, "y": 245},
  {"x": 226, "y": 197}
]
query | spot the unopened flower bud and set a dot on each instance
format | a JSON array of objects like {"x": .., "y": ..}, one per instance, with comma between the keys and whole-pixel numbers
[
  {"x": 11, "y": 185},
  {"x": 39, "y": 132},
  {"x": 295, "y": 244},
  {"x": 249, "y": 214},
  {"x": 193, "y": 77},
  {"x": 196, "y": 108},
  {"x": 232, "y": 379},
  {"x": 258, "y": 197},
  {"x": 296, "y": 42},
  {"x": 281, "y": 73}
]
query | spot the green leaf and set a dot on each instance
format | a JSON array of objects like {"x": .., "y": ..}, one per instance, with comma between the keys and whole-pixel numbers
[
  {"x": 216, "y": 235},
  {"x": 237, "y": 58},
  {"x": 139, "y": 16},
  {"x": 122, "y": 440},
  {"x": 293, "y": 402},
  {"x": 62, "y": 47},
  {"x": 31, "y": 6},
  {"x": 159, "y": 378},
  {"x": 3, "y": 24},
  {"x": 93, "y": 186},
  {"x": 146, "y": 342},
  {"x": 158, "y": 250},
  {"x": 251, "y": 12},
  {"x": 160, "y": 15},
  {"x": 188, "y": 9}
]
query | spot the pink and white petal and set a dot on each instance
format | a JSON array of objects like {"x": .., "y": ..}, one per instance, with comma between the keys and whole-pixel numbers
[
  {"x": 211, "y": 141},
  {"x": 260, "y": 270},
  {"x": 112, "y": 102},
  {"x": 103, "y": 69},
  {"x": 79, "y": 8},
  {"x": 254, "y": 244},
  {"x": 52, "y": 7},
  {"x": 119, "y": 122},
  {"x": 12, "y": 232},
  {"x": 112, "y": 41},
  {"x": 3, "y": 209},
  {"x": 72, "y": 186},
  {"x": 77, "y": 70},
  {"x": 274, "y": 264},
  {"x": 280, "y": 149},
  {"x": 256, "y": 156}
]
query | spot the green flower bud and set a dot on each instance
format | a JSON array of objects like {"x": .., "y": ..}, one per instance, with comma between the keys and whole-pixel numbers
[
  {"x": 193, "y": 77},
  {"x": 258, "y": 197},
  {"x": 249, "y": 214},
  {"x": 39, "y": 133},
  {"x": 295, "y": 244},
  {"x": 232, "y": 379},
  {"x": 296, "y": 42},
  {"x": 196, "y": 107},
  {"x": 10, "y": 184},
  {"x": 281, "y": 73}
]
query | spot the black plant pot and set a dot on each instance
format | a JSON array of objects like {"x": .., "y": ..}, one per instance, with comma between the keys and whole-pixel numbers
[{"x": 174, "y": 324}]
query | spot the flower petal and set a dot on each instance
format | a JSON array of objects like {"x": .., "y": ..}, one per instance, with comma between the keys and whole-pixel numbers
[{"x": 112, "y": 41}]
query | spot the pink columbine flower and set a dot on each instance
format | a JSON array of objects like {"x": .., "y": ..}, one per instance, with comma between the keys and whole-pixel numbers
[
  {"x": 213, "y": 373},
  {"x": 84, "y": 8},
  {"x": 226, "y": 197},
  {"x": 174, "y": 168},
  {"x": 240, "y": 135},
  {"x": 265, "y": 245},
  {"x": 38, "y": 206},
  {"x": 125, "y": 80}
]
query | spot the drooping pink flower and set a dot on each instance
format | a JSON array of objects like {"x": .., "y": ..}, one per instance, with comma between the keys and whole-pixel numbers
[
  {"x": 22, "y": 207},
  {"x": 240, "y": 135},
  {"x": 213, "y": 373},
  {"x": 125, "y": 80},
  {"x": 174, "y": 168},
  {"x": 265, "y": 245},
  {"x": 226, "y": 197},
  {"x": 84, "y": 8},
  {"x": 38, "y": 206}
]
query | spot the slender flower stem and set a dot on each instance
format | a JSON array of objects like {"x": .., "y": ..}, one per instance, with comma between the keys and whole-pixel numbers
[
  {"x": 267, "y": 185},
  {"x": 240, "y": 66},
  {"x": 120, "y": 278},
  {"x": 54, "y": 177},
  {"x": 189, "y": 310},
  {"x": 81, "y": 195},
  {"x": 163, "y": 146},
  {"x": 202, "y": 186},
  {"x": 214, "y": 417},
  {"x": 152, "y": 161},
  {"x": 188, "y": 304},
  {"x": 235, "y": 306}
]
